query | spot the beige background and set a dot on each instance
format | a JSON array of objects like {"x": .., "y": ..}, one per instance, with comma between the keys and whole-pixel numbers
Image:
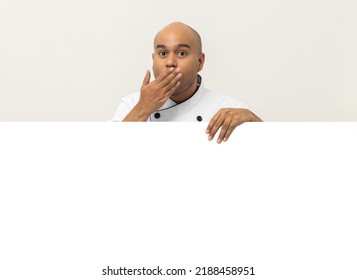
[{"x": 74, "y": 60}]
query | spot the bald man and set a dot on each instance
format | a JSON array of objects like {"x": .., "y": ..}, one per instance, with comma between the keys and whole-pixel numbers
[{"x": 177, "y": 93}]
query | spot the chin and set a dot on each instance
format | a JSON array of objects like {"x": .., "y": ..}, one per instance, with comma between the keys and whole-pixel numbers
[{"x": 177, "y": 92}]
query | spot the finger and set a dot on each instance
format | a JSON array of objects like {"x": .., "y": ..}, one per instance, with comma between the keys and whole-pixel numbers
[
  {"x": 169, "y": 78},
  {"x": 215, "y": 127},
  {"x": 226, "y": 127},
  {"x": 232, "y": 127},
  {"x": 146, "y": 78},
  {"x": 229, "y": 132},
  {"x": 172, "y": 86},
  {"x": 212, "y": 122},
  {"x": 164, "y": 75}
]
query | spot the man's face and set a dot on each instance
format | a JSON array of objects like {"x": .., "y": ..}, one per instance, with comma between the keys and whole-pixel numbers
[{"x": 176, "y": 46}]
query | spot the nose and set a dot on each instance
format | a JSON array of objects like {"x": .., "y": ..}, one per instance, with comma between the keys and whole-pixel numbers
[{"x": 171, "y": 61}]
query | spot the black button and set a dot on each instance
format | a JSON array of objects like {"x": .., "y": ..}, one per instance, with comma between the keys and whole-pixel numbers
[
  {"x": 199, "y": 118},
  {"x": 157, "y": 115}
]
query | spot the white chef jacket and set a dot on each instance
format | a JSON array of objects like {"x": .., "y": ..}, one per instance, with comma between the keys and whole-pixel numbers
[{"x": 202, "y": 106}]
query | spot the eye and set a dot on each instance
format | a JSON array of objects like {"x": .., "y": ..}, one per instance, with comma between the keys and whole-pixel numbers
[
  {"x": 162, "y": 54},
  {"x": 182, "y": 54}
]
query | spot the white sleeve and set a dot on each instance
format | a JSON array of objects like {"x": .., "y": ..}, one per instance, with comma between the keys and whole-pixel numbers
[
  {"x": 121, "y": 112},
  {"x": 126, "y": 105}
]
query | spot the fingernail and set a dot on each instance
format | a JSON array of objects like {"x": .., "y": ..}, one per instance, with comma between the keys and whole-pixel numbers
[
  {"x": 210, "y": 138},
  {"x": 219, "y": 140},
  {"x": 225, "y": 140},
  {"x": 207, "y": 131}
]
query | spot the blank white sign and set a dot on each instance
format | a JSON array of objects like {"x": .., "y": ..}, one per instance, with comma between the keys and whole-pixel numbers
[{"x": 76, "y": 198}]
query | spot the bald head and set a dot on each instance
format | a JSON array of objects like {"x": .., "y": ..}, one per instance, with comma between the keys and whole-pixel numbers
[
  {"x": 184, "y": 30},
  {"x": 178, "y": 46}
]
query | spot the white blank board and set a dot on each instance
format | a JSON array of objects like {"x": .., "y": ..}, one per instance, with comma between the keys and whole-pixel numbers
[{"x": 76, "y": 198}]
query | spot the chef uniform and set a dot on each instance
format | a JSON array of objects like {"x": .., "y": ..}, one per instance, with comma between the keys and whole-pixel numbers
[{"x": 202, "y": 106}]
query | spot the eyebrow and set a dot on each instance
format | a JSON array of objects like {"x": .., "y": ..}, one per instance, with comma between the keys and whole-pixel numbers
[{"x": 179, "y": 45}]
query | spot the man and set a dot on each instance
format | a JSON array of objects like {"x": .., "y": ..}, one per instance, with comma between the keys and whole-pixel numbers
[{"x": 177, "y": 93}]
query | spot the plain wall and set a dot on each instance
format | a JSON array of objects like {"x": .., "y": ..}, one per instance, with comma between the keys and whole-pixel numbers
[{"x": 74, "y": 60}]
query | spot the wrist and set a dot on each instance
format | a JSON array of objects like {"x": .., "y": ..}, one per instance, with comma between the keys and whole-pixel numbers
[
  {"x": 254, "y": 117},
  {"x": 138, "y": 114}
]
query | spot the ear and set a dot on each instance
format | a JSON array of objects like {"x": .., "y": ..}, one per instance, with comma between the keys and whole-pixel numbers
[
  {"x": 152, "y": 56},
  {"x": 201, "y": 61}
]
